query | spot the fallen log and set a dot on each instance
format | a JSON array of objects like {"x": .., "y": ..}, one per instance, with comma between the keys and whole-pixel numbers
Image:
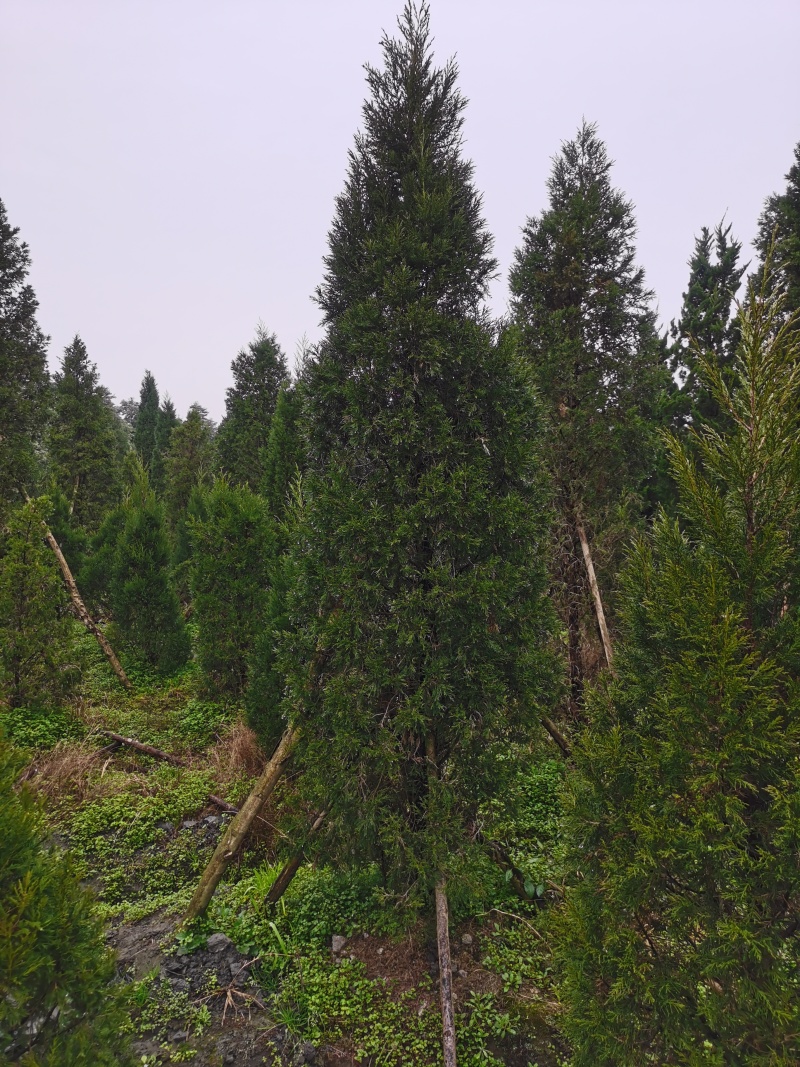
[
  {"x": 223, "y": 804},
  {"x": 237, "y": 829},
  {"x": 290, "y": 868},
  {"x": 149, "y": 750}
]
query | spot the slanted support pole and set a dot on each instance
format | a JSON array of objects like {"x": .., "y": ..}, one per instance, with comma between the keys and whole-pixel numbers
[
  {"x": 443, "y": 938},
  {"x": 236, "y": 831},
  {"x": 291, "y": 867},
  {"x": 598, "y": 600}
]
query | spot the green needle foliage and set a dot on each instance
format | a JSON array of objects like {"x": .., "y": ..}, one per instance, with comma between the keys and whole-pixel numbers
[
  {"x": 165, "y": 424},
  {"x": 682, "y": 939},
  {"x": 780, "y": 223},
  {"x": 58, "y": 1007},
  {"x": 417, "y": 610},
  {"x": 144, "y": 603},
  {"x": 283, "y": 456},
  {"x": 34, "y": 627},
  {"x": 588, "y": 330},
  {"x": 259, "y": 371},
  {"x": 23, "y": 369},
  {"x": 84, "y": 449},
  {"x": 144, "y": 430},
  {"x": 232, "y": 551}
]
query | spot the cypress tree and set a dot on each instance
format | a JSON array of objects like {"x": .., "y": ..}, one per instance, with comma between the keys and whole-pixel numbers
[
  {"x": 34, "y": 626},
  {"x": 706, "y": 321},
  {"x": 588, "y": 330},
  {"x": 23, "y": 368},
  {"x": 165, "y": 424},
  {"x": 259, "y": 371},
  {"x": 85, "y": 452},
  {"x": 780, "y": 220},
  {"x": 144, "y": 603},
  {"x": 144, "y": 431},
  {"x": 417, "y": 613},
  {"x": 58, "y": 1006},
  {"x": 283, "y": 456},
  {"x": 682, "y": 938},
  {"x": 232, "y": 549},
  {"x": 189, "y": 461}
]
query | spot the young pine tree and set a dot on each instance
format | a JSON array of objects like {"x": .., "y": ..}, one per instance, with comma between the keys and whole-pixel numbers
[
  {"x": 283, "y": 455},
  {"x": 588, "y": 331},
  {"x": 144, "y": 430},
  {"x": 417, "y": 611},
  {"x": 706, "y": 323},
  {"x": 232, "y": 553},
  {"x": 259, "y": 371},
  {"x": 165, "y": 424},
  {"x": 34, "y": 626},
  {"x": 682, "y": 938},
  {"x": 144, "y": 603},
  {"x": 780, "y": 220},
  {"x": 58, "y": 1004},
  {"x": 84, "y": 450},
  {"x": 23, "y": 369}
]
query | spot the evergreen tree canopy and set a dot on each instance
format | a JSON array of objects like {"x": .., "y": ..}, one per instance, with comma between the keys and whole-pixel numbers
[
  {"x": 23, "y": 367},
  {"x": 283, "y": 456},
  {"x": 416, "y": 611},
  {"x": 706, "y": 323},
  {"x": 682, "y": 941},
  {"x": 588, "y": 330},
  {"x": 83, "y": 445},
  {"x": 259, "y": 371},
  {"x": 165, "y": 424},
  {"x": 189, "y": 462},
  {"x": 232, "y": 553},
  {"x": 144, "y": 430},
  {"x": 781, "y": 220},
  {"x": 34, "y": 629},
  {"x": 58, "y": 1007},
  {"x": 145, "y": 605}
]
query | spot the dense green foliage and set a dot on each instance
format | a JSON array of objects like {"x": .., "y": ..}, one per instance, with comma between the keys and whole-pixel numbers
[
  {"x": 780, "y": 222},
  {"x": 166, "y": 422},
  {"x": 232, "y": 554},
  {"x": 417, "y": 612},
  {"x": 259, "y": 371},
  {"x": 23, "y": 368},
  {"x": 144, "y": 429},
  {"x": 283, "y": 456},
  {"x": 58, "y": 1007},
  {"x": 682, "y": 935},
  {"x": 144, "y": 603}
]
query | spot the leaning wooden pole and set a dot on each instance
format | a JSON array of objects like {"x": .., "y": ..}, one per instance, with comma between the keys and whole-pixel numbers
[
  {"x": 598, "y": 600},
  {"x": 290, "y": 868},
  {"x": 239, "y": 826},
  {"x": 80, "y": 609},
  {"x": 443, "y": 938}
]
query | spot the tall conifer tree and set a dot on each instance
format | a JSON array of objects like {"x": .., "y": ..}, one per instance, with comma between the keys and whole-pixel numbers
[
  {"x": 259, "y": 371},
  {"x": 144, "y": 430},
  {"x": 417, "y": 617},
  {"x": 23, "y": 368},
  {"x": 781, "y": 220},
  {"x": 165, "y": 424},
  {"x": 588, "y": 330},
  {"x": 682, "y": 940},
  {"x": 84, "y": 449}
]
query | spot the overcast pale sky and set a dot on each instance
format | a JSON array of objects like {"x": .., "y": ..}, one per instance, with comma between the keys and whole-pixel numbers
[{"x": 173, "y": 164}]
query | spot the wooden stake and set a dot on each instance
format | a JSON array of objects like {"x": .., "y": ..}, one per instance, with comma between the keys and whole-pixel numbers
[
  {"x": 236, "y": 831},
  {"x": 290, "y": 869},
  {"x": 445, "y": 976},
  {"x": 598, "y": 602},
  {"x": 557, "y": 736},
  {"x": 80, "y": 608}
]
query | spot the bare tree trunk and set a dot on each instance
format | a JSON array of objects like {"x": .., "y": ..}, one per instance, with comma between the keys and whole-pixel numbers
[
  {"x": 239, "y": 826},
  {"x": 75, "y": 486},
  {"x": 443, "y": 938},
  {"x": 149, "y": 750},
  {"x": 290, "y": 869},
  {"x": 445, "y": 976},
  {"x": 557, "y": 736},
  {"x": 81, "y": 611},
  {"x": 598, "y": 602}
]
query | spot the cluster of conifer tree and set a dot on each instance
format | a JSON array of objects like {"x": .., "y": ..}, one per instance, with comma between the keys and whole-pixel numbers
[{"x": 447, "y": 534}]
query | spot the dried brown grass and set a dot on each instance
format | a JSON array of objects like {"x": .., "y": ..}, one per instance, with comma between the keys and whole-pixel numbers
[
  {"x": 237, "y": 754},
  {"x": 65, "y": 771}
]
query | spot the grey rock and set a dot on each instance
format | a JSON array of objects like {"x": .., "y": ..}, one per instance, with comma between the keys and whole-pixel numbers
[
  {"x": 309, "y": 1052},
  {"x": 466, "y": 939},
  {"x": 180, "y": 984},
  {"x": 462, "y": 973},
  {"x": 167, "y": 827},
  {"x": 219, "y": 942},
  {"x": 178, "y": 1036},
  {"x": 212, "y": 820},
  {"x": 337, "y": 943},
  {"x": 189, "y": 824}
]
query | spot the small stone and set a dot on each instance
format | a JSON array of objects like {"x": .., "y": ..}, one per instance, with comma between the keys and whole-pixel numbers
[
  {"x": 212, "y": 820},
  {"x": 466, "y": 939},
  {"x": 180, "y": 984},
  {"x": 380, "y": 951},
  {"x": 230, "y": 1058},
  {"x": 365, "y": 935},
  {"x": 462, "y": 973},
  {"x": 167, "y": 827},
  {"x": 189, "y": 824},
  {"x": 218, "y": 942},
  {"x": 178, "y": 1036},
  {"x": 309, "y": 1052},
  {"x": 337, "y": 943}
]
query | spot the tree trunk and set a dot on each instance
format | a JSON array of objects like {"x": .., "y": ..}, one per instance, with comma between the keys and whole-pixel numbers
[
  {"x": 557, "y": 736},
  {"x": 239, "y": 826},
  {"x": 81, "y": 611},
  {"x": 443, "y": 938},
  {"x": 290, "y": 869},
  {"x": 445, "y": 976},
  {"x": 598, "y": 602},
  {"x": 149, "y": 750}
]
